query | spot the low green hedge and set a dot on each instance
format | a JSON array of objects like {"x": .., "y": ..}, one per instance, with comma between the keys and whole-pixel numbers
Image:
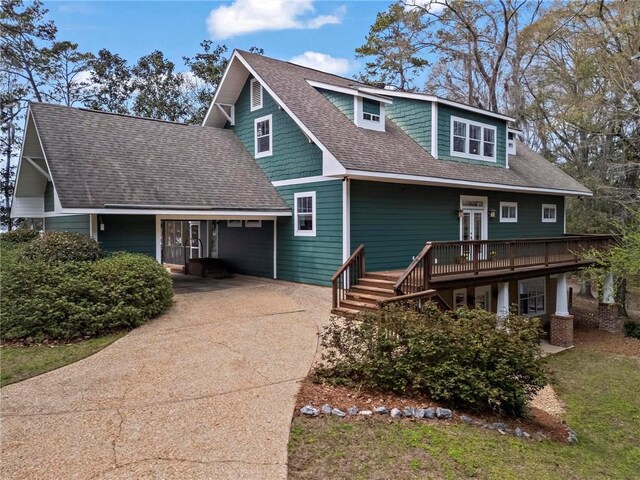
[
  {"x": 463, "y": 360},
  {"x": 63, "y": 247},
  {"x": 19, "y": 235},
  {"x": 45, "y": 300}
]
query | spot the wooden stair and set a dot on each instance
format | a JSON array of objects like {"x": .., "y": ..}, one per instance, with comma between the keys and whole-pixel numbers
[{"x": 366, "y": 294}]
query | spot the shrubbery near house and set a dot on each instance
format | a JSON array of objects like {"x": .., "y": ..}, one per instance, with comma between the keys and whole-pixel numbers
[
  {"x": 18, "y": 236},
  {"x": 463, "y": 360},
  {"x": 63, "y": 247},
  {"x": 632, "y": 329},
  {"x": 47, "y": 295}
]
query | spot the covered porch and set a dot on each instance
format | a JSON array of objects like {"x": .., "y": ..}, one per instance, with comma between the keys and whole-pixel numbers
[{"x": 218, "y": 246}]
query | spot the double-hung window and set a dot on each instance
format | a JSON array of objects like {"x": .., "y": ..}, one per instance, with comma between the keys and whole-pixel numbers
[
  {"x": 263, "y": 136},
  {"x": 508, "y": 212},
  {"x": 305, "y": 214},
  {"x": 549, "y": 213},
  {"x": 473, "y": 140}
]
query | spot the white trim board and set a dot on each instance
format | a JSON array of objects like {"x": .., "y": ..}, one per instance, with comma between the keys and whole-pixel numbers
[
  {"x": 434, "y": 99},
  {"x": 303, "y": 180},
  {"x": 178, "y": 214},
  {"x": 453, "y": 183}
]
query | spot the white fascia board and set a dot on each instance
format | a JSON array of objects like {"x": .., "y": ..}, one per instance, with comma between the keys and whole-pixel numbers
[
  {"x": 348, "y": 91},
  {"x": 218, "y": 90},
  {"x": 434, "y": 99},
  {"x": 200, "y": 214},
  {"x": 448, "y": 182},
  {"x": 24, "y": 138},
  {"x": 303, "y": 180}
]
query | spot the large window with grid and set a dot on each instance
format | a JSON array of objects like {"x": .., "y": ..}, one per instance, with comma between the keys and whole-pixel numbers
[
  {"x": 473, "y": 140},
  {"x": 531, "y": 296},
  {"x": 305, "y": 214}
]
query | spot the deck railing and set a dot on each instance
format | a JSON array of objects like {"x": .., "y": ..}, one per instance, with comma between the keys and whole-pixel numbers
[
  {"x": 417, "y": 275},
  {"x": 347, "y": 275},
  {"x": 452, "y": 258}
]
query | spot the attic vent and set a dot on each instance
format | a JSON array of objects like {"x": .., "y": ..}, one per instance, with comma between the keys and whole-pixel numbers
[{"x": 256, "y": 95}]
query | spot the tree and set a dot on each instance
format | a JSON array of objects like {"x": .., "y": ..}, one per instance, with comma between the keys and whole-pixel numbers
[
  {"x": 472, "y": 43},
  {"x": 583, "y": 100},
  {"x": 207, "y": 68},
  {"x": 68, "y": 79},
  {"x": 158, "y": 89},
  {"x": 392, "y": 43},
  {"x": 111, "y": 83}
]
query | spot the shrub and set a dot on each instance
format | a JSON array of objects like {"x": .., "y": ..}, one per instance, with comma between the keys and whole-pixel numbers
[
  {"x": 19, "y": 235},
  {"x": 464, "y": 360},
  {"x": 63, "y": 247},
  {"x": 632, "y": 329},
  {"x": 44, "y": 300}
]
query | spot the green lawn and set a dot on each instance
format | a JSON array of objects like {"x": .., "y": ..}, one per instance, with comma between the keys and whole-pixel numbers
[
  {"x": 601, "y": 391},
  {"x": 20, "y": 363}
]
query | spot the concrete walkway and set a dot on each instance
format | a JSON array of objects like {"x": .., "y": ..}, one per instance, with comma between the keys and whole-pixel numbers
[{"x": 204, "y": 392}]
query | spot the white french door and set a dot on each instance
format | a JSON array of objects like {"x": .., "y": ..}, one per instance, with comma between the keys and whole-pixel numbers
[{"x": 473, "y": 223}]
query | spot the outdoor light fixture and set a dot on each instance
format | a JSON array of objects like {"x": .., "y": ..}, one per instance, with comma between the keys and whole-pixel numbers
[
  {"x": 101, "y": 223},
  {"x": 492, "y": 213},
  {"x": 459, "y": 213}
]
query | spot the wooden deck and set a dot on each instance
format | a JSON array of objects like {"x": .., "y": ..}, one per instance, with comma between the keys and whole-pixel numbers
[{"x": 445, "y": 265}]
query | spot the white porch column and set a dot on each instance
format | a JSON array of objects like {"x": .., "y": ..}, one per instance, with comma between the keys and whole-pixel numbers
[
  {"x": 275, "y": 247},
  {"x": 607, "y": 290},
  {"x": 562, "y": 303},
  {"x": 158, "y": 239},
  {"x": 503, "y": 300}
]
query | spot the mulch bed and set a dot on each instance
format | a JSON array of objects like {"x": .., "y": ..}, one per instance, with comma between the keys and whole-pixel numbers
[
  {"x": 539, "y": 425},
  {"x": 601, "y": 341}
]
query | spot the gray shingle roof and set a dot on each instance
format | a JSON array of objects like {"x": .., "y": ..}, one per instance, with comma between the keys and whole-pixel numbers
[
  {"x": 99, "y": 158},
  {"x": 392, "y": 151}
]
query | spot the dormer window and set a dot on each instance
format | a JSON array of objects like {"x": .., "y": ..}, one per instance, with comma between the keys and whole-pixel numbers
[
  {"x": 369, "y": 113},
  {"x": 370, "y": 110},
  {"x": 473, "y": 140}
]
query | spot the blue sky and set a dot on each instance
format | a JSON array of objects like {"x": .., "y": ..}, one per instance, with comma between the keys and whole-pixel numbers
[{"x": 322, "y": 34}]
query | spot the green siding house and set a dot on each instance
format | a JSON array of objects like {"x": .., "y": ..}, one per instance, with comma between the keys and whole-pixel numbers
[{"x": 292, "y": 170}]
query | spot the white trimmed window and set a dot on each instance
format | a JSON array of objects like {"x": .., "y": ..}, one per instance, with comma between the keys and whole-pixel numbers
[
  {"x": 508, "y": 212},
  {"x": 549, "y": 213},
  {"x": 511, "y": 142},
  {"x": 253, "y": 223},
  {"x": 263, "y": 136},
  {"x": 482, "y": 299},
  {"x": 473, "y": 140},
  {"x": 234, "y": 223},
  {"x": 531, "y": 296},
  {"x": 305, "y": 214},
  {"x": 256, "y": 94}
]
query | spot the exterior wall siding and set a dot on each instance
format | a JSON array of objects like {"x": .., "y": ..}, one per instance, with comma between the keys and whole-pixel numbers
[
  {"x": 444, "y": 135},
  {"x": 312, "y": 259},
  {"x": 68, "y": 223},
  {"x": 293, "y": 156},
  {"x": 413, "y": 117},
  {"x": 394, "y": 221},
  {"x": 342, "y": 101},
  {"x": 128, "y": 233},
  {"x": 247, "y": 250},
  {"x": 49, "y": 202}
]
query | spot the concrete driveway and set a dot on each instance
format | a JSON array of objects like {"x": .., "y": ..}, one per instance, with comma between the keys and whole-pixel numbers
[{"x": 204, "y": 392}]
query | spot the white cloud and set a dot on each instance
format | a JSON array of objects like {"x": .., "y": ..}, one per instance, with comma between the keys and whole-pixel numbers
[
  {"x": 322, "y": 61},
  {"x": 249, "y": 16}
]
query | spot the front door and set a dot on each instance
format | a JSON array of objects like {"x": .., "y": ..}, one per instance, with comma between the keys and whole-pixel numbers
[{"x": 472, "y": 224}]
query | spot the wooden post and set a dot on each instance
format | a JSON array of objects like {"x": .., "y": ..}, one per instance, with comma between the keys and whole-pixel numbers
[
  {"x": 546, "y": 253},
  {"x": 512, "y": 255},
  {"x": 476, "y": 255}
]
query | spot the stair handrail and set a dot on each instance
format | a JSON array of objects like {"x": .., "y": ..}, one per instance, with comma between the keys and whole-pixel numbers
[
  {"x": 417, "y": 261},
  {"x": 357, "y": 255}
]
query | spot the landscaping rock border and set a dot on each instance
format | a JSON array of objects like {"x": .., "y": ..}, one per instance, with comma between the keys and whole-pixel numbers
[{"x": 426, "y": 413}]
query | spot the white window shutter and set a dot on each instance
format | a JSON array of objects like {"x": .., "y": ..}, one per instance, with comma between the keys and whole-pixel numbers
[{"x": 256, "y": 95}]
